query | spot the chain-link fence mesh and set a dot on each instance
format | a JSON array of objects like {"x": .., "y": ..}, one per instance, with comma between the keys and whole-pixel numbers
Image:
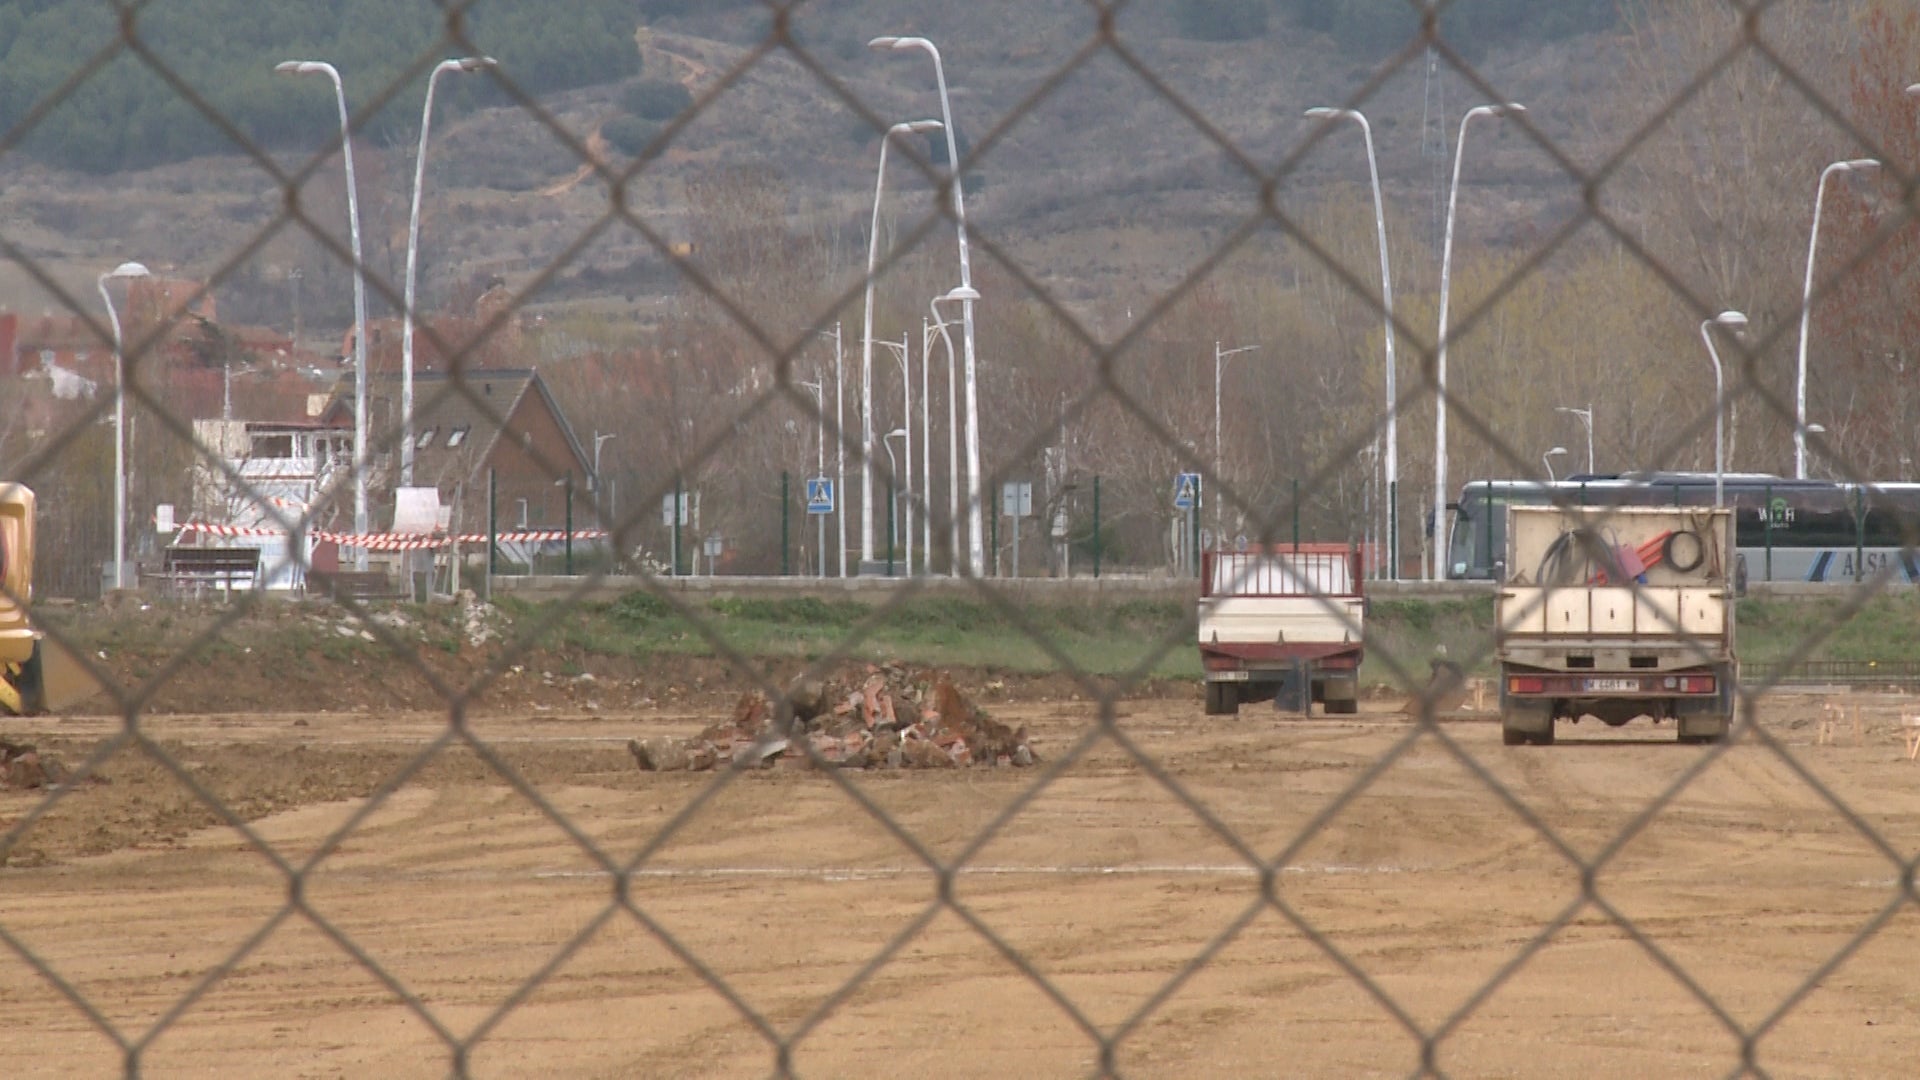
[{"x": 1161, "y": 895}]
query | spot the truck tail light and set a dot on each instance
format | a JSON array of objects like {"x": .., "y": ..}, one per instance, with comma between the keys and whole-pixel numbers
[
  {"x": 1526, "y": 684},
  {"x": 1696, "y": 684}
]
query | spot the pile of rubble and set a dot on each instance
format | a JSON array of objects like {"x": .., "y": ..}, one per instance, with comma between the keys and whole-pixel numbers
[
  {"x": 881, "y": 718},
  {"x": 23, "y": 768}
]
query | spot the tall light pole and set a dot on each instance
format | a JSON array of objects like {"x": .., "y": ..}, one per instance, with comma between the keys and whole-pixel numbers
[
  {"x": 1547, "y": 460},
  {"x": 976, "y": 538},
  {"x": 818, "y": 386},
  {"x": 1735, "y": 322},
  {"x": 1386, "y": 300},
  {"x": 1440, "y": 365},
  {"x": 316, "y": 67},
  {"x": 840, "y": 446},
  {"x": 1219, "y": 509},
  {"x": 470, "y": 63},
  {"x": 1806, "y": 304},
  {"x": 903, "y": 352},
  {"x": 953, "y": 429},
  {"x": 124, "y": 270},
  {"x": 926, "y": 445},
  {"x": 893, "y": 490},
  {"x": 1586, "y": 418},
  {"x": 866, "y": 339}
]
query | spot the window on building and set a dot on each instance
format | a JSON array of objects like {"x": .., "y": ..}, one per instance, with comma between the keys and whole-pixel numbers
[
  {"x": 426, "y": 438},
  {"x": 457, "y": 436}
]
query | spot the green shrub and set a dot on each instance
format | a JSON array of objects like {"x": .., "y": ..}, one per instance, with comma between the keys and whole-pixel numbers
[
  {"x": 630, "y": 134},
  {"x": 656, "y": 99}
]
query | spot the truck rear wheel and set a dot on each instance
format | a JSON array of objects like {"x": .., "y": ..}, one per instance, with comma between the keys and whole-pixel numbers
[
  {"x": 1223, "y": 699},
  {"x": 1341, "y": 697},
  {"x": 1523, "y": 725}
]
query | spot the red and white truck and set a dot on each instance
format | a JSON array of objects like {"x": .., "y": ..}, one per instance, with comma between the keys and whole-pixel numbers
[{"x": 1282, "y": 620}]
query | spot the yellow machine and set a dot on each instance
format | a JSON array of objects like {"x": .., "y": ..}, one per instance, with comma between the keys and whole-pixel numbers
[{"x": 22, "y": 689}]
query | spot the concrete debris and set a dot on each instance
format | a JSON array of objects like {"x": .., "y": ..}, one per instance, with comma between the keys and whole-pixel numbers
[{"x": 879, "y": 718}]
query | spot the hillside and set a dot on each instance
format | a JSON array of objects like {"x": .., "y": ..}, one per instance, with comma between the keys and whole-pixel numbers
[{"x": 1100, "y": 189}]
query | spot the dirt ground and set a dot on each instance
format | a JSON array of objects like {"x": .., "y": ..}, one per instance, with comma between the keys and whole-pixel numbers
[{"x": 774, "y": 905}]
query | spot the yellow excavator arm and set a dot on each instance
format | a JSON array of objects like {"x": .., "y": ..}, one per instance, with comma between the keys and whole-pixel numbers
[{"x": 22, "y": 690}]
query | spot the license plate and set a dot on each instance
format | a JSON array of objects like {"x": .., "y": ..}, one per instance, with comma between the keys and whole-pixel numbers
[
  {"x": 1227, "y": 676},
  {"x": 1610, "y": 686}
]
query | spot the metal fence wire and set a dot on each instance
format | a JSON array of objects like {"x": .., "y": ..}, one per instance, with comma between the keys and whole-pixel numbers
[{"x": 1525, "y": 301}]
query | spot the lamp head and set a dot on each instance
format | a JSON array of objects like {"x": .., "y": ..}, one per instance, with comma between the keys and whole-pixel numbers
[
  {"x": 1508, "y": 108},
  {"x": 916, "y": 127},
  {"x": 127, "y": 270},
  {"x": 475, "y": 63},
  {"x": 896, "y": 433},
  {"x": 961, "y": 293},
  {"x": 884, "y": 43},
  {"x": 300, "y": 67},
  {"x": 1321, "y": 112},
  {"x": 1860, "y": 165},
  {"x": 1556, "y": 451},
  {"x": 1732, "y": 320}
]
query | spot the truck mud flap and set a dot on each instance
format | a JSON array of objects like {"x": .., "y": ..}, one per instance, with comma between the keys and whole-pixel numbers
[{"x": 1294, "y": 692}]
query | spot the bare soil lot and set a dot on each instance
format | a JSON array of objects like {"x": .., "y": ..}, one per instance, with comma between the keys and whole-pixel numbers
[{"x": 775, "y": 905}]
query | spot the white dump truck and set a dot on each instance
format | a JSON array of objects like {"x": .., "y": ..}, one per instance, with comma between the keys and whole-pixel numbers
[
  {"x": 1615, "y": 614},
  {"x": 1284, "y": 622}
]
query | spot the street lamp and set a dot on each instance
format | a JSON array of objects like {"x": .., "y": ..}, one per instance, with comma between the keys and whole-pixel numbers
[
  {"x": 598, "y": 438},
  {"x": 1386, "y": 301},
  {"x": 903, "y": 353},
  {"x": 1735, "y": 322},
  {"x": 866, "y": 339},
  {"x": 1806, "y": 303},
  {"x": 1218, "y": 355},
  {"x": 124, "y": 270},
  {"x": 976, "y": 539},
  {"x": 1440, "y": 365},
  {"x": 1547, "y": 460},
  {"x": 960, "y": 294},
  {"x": 316, "y": 67},
  {"x": 840, "y": 448},
  {"x": 470, "y": 63},
  {"x": 1586, "y": 417},
  {"x": 893, "y": 493}
]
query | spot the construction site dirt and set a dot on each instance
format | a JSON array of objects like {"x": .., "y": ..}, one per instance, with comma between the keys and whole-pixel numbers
[{"x": 782, "y": 889}]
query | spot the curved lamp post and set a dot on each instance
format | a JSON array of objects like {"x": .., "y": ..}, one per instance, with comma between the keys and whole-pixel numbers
[
  {"x": 1586, "y": 419},
  {"x": 317, "y": 67},
  {"x": 976, "y": 538},
  {"x": 1735, "y": 322},
  {"x": 470, "y": 63},
  {"x": 1547, "y": 460},
  {"x": 866, "y": 339},
  {"x": 960, "y": 294},
  {"x": 1219, "y": 510},
  {"x": 1386, "y": 301},
  {"x": 840, "y": 447},
  {"x": 1806, "y": 304},
  {"x": 124, "y": 270},
  {"x": 1440, "y": 366}
]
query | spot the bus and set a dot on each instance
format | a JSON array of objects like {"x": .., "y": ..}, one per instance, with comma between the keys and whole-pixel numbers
[{"x": 1784, "y": 530}]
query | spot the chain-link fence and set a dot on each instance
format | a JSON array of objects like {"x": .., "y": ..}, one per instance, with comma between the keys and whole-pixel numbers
[{"x": 1193, "y": 314}]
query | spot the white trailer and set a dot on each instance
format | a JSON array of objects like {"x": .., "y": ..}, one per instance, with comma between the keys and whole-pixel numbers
[
  {"x": 1279, "y": 618},
  {"x": 1616, "y": 613}
]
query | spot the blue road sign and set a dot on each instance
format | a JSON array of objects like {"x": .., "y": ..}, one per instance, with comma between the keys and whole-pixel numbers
[
  {"x": 1186, "y": 490},
  {"x": 819, "y": 495}
]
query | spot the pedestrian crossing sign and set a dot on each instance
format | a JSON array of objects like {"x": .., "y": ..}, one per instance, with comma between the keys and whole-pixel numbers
[
  {"x": 819, "y": 495},
  {"x": 1186, "y": 491}
]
